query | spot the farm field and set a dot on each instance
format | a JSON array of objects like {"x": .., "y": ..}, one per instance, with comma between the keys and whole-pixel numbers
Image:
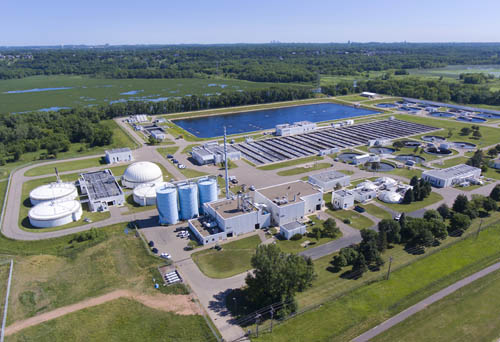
[
  {"x": 368, "y": 303},
  {"x": 85, "y": 91},
  {"x": 444, "y": 320},
  {"x": 454, "y": 71},
  {"x": 233, "y": 259}
]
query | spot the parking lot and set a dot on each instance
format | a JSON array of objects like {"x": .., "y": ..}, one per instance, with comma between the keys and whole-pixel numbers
[{"x": 166, "y": 240}]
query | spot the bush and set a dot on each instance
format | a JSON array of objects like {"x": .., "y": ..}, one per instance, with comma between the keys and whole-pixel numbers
[
  {"x": 296, "y": 237},
  {"x": 347, "y": 221}
]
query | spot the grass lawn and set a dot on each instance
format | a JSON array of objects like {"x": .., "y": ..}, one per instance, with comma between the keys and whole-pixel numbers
[
  {"x": 407, "y": 173},
  {"x": 65, "y": 166},
  {"x": 370, "y": 303},
  {"x": 351, "y": 98},
  {"x": 492, "y": 173},
  {"x": 291, "y": 246},
  {"x": 346, "y": 172},
  {"x": 57, "y": 272},
  {"x": 444, "y": 320},
  {"x": 450, "y": 162},
  {"x": 134, "y": 207},
  {"x": 4, "y": 276},
  {"x": 299, "y": 170},
  {"x": 358, "y": 221},
  {"x": 188, "y": 148},
  {"x": 233, "y": 259},
  {"x": 377, "y": 211},
  {"x": 119, "y": 320},
  {"x": 408, "y": 208},
  {"x": 191, "y": 173},
  {"x": 290, "y": 163},
  {"x": 167, "y": 150}
]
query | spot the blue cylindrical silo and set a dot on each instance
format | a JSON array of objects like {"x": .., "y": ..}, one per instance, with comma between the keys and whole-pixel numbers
[
  {"x": 207, "y": 187},
  {"x": 166, "y": 202},
  {"x": 188, "y": 200}
]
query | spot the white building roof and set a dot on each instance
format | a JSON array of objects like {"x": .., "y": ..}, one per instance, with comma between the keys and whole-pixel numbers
[
  {"x": 459, "y": 170},
  {"x": 390, "y": 197},
  {"x": 328, "y": 176},
  {"x": 143, "y": 172},
  {"x": 53, "y": 191},
  {"x": 53, "y": 210}
]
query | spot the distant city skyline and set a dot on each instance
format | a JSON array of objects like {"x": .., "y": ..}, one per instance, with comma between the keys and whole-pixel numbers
[{"x": 57, "y": 22}]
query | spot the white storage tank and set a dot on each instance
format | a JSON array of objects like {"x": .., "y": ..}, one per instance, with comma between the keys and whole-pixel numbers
[
  {"x": 166, "y": 202},
  {"x": 188, "y": 200},
  {"x": 55, "y": 213},
  {"x": 141, "y": 173},
  {"x": 145, "y": 194},
  {"x": 207, "y": 188},
  {"x": 56, "y": 191}
]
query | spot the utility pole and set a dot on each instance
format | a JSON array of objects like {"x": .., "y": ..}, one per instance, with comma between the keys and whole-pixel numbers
[
  {"x": 389, "y": 270},
  {"x": 479, "y": 229},
  {"x": 272, "y": 316},
  {"x": 225, "y": 162},
  {"x": 257, "y": 321}
]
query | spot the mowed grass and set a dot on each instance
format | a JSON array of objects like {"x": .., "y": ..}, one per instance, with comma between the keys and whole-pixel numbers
[
  {"x": 164, "y": 151},
  {"x": 450, "y": 162},
  {"x": 377, "y": 211},
  {"x": 65, "y": 166},
  {"x": 408, "y": 208},
  {"x": 292, "y": 162},
  {"x": 444, "y": 320},
  {"x": 356, "y": 311},
  {"x": 233, "y": 259},
  {"x": 100, "y": 91},
  {"x": 299, "y": 170},
  {"x": 57, "y": 272},
  {"x": 358, "y": 221},
  {"x": 4, "y": 276},
  {"x": 119, "y": 320}
]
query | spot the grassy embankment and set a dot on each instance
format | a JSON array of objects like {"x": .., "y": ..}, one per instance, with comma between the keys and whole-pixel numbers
[
  {"x": 233, "y": 259},
  {"x": 288, "y": 163}
]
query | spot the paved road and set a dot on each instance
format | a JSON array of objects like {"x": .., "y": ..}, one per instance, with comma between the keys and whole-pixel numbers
[{"x": 425, "y": 303}]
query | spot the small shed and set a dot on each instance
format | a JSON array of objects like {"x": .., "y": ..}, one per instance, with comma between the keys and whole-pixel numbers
[
  {"x": 293, "y": 228},
  {"x": 118, "y": 155}
]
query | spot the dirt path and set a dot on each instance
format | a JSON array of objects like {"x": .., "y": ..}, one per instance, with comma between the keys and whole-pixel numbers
[{"x": 180, "y": 304}]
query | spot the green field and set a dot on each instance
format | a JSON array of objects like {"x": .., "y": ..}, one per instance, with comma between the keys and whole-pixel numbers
[
  {"x": 299, "y": 170},
  {"x": 167, "y": 150},
  {"x": 233, "y": 259},
  {"x": 408, "y": 208},
  {"x": 454, "y": 71},
  {"x": 292, "y": 162},
  {"x": 450, "y": 162},
  {"x": 370, "y": 303},
  {"x": 119, "y": 320},
  {"x": 358, "y": 221},
  {"x": 444, "y": 320},
  {"x": 99, "y": 91},
  {"x": 377, "y": 211},
  {"x": 65, "y": 166}
]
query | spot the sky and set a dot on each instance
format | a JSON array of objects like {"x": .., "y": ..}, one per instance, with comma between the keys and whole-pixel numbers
[{"x": 92, "y": 22}]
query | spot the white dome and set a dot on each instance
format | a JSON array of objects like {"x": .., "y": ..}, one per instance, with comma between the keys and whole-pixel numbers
[
  {"x": 53, "y": 191},
  {"x": 387, "y": 180},
  {"x": 140, "y": 173},
  {"x": 368, "y": 185},
  {"x": 55, "y": 213},
  {"x": 390, "y": 197},
  {"x": 145, "y": 194}
]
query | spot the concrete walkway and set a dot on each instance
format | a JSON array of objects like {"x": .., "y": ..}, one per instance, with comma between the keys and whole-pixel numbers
[{"x": 425, "y": 303}]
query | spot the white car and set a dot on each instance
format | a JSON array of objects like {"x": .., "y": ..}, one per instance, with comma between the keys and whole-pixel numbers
[
  {"x": 181, "y": 166},
  {"x": 165, "y": 256},
  {"x": 183, "y": 234}
]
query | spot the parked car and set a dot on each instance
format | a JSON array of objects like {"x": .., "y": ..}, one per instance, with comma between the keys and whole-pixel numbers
[
  {"x": 359, "y": 209},
  {"x": 155, "y": 250},
  {"x": 252, "y": 188},
  {"x": 181, "y": 166},
  {"x": 175, "y": 161},
  {"x": 165, "y": 256},
  {"x": 169, "y": 156},
  {"x": 151, "y": 243},
  {"x": 183, "y": 234}
]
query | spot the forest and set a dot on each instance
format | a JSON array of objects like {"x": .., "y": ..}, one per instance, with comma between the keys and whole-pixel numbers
[{"x": 253, "y": 62}]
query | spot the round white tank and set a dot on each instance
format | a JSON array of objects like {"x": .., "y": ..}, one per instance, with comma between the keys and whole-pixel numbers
[
  {"x": 166, "y": 202},
  {"x": 141, "y": 173},
  {"x": 145, "y": 194},
  {"x": 188, "y": 200},
  {"x": 53, "y": 192},
  {"x": 55, "y": 213},
  {"x": 207, "y": 188}
]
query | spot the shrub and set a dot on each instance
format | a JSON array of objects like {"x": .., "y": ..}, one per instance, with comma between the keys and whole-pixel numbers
[
  {"x": 347, "y": 221},
  {"x": 296, "y": 237}
]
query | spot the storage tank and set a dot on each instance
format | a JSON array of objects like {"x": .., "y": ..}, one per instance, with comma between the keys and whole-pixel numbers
[
  {"x": 145, "y": 194},
  {"x": 56, "y": 191},
  {"x": 207, "y": 188},
  {"x": 166, "y": 202},
  {"x": 141, "y": 173},
  {"x": 188, "y": 200},
  {"x": 55, "y": 213}
]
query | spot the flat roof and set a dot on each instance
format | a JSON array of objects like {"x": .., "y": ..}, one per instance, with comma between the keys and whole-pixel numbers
[
  {"x": 119, "y": 150},
  {"x": 328, "y": 176},
  {"x": 204, "y": 231},
  {"x": 344, "y": 193},
  {"x": 289, "y": 190},
  {"x": 100, "y": 184},
  {"x": 441, "y": 104},
  {"x": 228, "y": 208},
  {"x": 451, "y": 172},
  {"x": 292, "y": 225}
]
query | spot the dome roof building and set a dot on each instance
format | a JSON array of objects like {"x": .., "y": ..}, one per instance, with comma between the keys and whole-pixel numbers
[
  {"x": 53, "y": 191},
  {"x": 141, "y": 173},
  {"x": 55, "y": 213},
  {"x": 390, "y": 197}
]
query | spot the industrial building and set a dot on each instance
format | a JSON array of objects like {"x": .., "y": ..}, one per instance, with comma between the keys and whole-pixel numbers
[
  {"x": 102, "y": 190},
  {"x": 451, "y": 176},
  {"x": 290, "y": 202},
  {"x": 293, "y": 228},
  {"x": 343, "y": 199},
  {"x": 229, "y": 217},
  {"x": 213, "y": 153},
  {"x": 145, "y": 194},
  {"x": 329, "y": 180},
  {"x": 118, "y": 155},
  {"x": 138, "y": 118},
  {"x": 57, "y": 191},
  {"x": 55, "y": 213},
  {"x": 295, "y": 128},
  {"x": 379, "y": 142},
  {"x": 342, "y": 123},
  {"x": 142, "y": 172},
  {"x": 158, "y": 135}
]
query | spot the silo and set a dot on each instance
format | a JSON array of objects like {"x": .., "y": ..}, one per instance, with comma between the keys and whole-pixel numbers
[
  {"x": 188, "y": 200},
  {"x": 207, "y": 187},
  {"x": 166, "y": 202}
]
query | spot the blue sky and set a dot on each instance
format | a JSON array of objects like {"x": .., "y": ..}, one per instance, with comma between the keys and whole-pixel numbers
[{"x": 52, "y": 22}]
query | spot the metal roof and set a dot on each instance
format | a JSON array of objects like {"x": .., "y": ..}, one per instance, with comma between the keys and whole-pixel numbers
[{"x": 451, "y": 172}]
